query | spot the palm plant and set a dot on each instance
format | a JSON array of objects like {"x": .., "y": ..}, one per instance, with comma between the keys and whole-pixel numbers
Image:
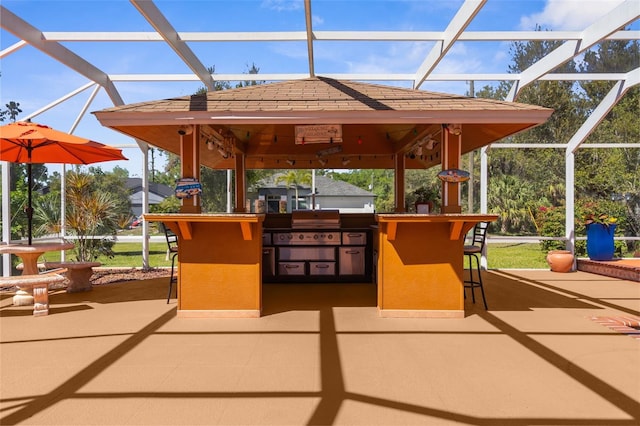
[
  {"x": 295, "y": 178},
  {"x": 508, "y": 197},
  {"x": 91, "y": 215},
  {"x": 47, "y": 215}
]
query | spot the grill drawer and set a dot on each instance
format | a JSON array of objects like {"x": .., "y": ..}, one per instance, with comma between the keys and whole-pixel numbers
[
  {"x": 291, "y": 268},
  {"x": 307, "y": 253},
  {"x": 268, "y": 261},
  {"x": 322, "y": 268},
  {"x": 354, "y": 238},
  {"x": 352, "y": 260}
]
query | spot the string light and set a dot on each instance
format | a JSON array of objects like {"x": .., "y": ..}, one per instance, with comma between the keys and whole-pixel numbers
[{"x": 360, "y": 140}]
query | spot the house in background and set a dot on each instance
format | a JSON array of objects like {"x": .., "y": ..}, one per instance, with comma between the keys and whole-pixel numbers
[
  {"x": 157, "y": 193},
  {"x": 330, "y": 194}
]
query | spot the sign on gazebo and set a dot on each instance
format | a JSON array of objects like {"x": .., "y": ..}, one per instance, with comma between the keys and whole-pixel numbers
[{"x": 326, "y": 133}]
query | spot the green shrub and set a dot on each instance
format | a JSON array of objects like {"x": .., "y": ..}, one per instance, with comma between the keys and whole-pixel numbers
[{"x": 550, "y": 222}]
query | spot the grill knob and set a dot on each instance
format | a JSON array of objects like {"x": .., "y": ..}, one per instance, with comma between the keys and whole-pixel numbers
[
  {"x": 330, "y": 236},
  {"x": 315, "y": 236},
  {"x": 301, "y": 236}
]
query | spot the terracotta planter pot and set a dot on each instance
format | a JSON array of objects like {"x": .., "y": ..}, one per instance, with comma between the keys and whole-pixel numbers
[{"x": 560, "y": 260}]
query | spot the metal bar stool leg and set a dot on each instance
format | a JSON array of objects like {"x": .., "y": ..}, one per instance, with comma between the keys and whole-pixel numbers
[
  {"x": 471, "y": 281},
  {"x": 481, "y": 285},
  {"x": 464, "y": 283},
  {"x": 171, "y": 278}
]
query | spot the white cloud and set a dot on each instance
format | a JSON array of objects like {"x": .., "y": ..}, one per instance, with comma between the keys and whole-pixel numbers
[
  {"x": 282, "y": 5},
  {"x": 568, "y": 14},
  {"x": 392, "y": 58},
  {"x": 290, "y": 50}
]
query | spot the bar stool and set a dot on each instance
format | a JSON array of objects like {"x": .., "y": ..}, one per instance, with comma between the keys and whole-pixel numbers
[
  {"x": 474, "y": 251},
  {"x": 172, "y": 250}
]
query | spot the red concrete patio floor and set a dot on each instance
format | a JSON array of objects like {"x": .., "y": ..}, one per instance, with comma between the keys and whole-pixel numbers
[{"x": 321, "y": 355}]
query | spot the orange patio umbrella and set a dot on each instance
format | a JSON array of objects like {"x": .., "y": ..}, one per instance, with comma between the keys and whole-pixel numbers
[{"x": 27, "y": 142}]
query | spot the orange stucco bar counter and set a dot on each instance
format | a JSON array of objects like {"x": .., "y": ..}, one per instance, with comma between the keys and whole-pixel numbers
[
  {"x": 420, "y": 263},
  {"x": 220, "y": 263}
]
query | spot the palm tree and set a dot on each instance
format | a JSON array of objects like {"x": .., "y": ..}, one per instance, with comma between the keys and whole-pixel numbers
[
  {"x": 47, "y": 215},
  {"x": 90, "y": 214},
  {"x": 508, "y": 197},
  {"x": 294, "y": 178}
]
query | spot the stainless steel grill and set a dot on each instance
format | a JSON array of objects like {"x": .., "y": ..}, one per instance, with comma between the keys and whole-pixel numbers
[
  {"x": 306, "y": 238},
  {"x": 316, "y": 249},
  {"x": 315, "y": 219}
]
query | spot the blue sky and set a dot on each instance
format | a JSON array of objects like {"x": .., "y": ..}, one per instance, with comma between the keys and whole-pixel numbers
[{"x": 35, "y": 80}]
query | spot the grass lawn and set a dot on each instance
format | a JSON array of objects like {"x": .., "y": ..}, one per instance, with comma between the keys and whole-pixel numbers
[
  {"x": 500, "y": 256},
  {"x": 127, "y": 255},
  {"x": 516, "y": 256},
  {"x": 130, "y": 254}
]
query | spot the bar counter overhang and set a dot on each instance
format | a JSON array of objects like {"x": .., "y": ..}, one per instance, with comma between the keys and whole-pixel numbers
[{"x": 322, "y": 122}]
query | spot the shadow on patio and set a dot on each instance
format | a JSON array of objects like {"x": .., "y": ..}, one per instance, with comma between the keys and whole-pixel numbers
[{"x": 321, "y": 355}]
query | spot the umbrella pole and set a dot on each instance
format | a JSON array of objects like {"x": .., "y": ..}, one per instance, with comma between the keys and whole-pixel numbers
[{"x": 29, "y": 208}]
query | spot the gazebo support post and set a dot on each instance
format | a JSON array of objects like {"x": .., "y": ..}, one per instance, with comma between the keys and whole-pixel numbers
[
  {"x": 190, "y": 167},
  {"x": 452, "y": 147},
  {"x": 240, "y": 184},
  {"x": 399, "y": 182}
]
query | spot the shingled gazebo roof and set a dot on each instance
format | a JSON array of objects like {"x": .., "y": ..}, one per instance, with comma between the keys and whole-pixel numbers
[{"x": 377, "y": 121}]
